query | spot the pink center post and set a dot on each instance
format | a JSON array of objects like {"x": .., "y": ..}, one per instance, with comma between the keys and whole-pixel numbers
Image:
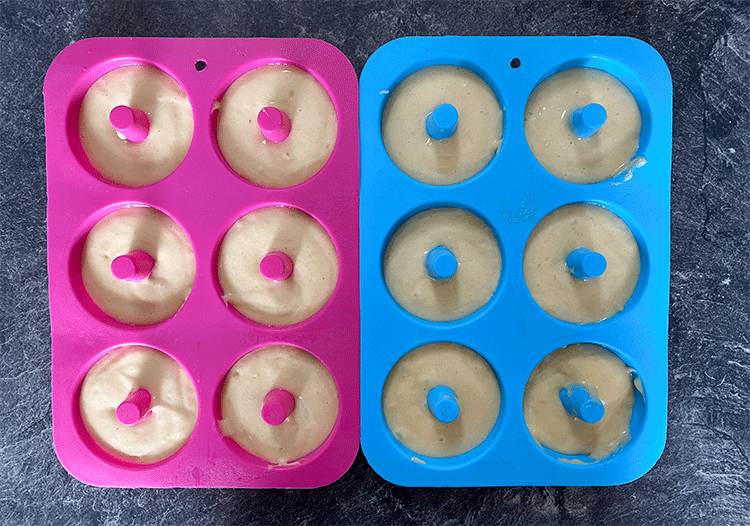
[
  {"x": 276, "y": 266},
  {"x": 274, "y": 124},
  {"x": 135, "y": 407},
  {"x": 130, "y": 123},
  {"x": 135, "y": 266},
  {"x": 277, "y": 406}
]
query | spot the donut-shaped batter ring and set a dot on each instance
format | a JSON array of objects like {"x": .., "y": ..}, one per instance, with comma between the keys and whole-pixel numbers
[
  {"x": 550, "y": 281},
  {"x": 450, "y": 160},
  {"x": 279, "y": 367},
  {"x": 155, "y": 298},
  {"x": 441, "y": 364},
  {"x": 303, "y": 152},
  {"x": 475, "y": 249},
  {"x": 605, "y": 376},
  {"x": 563, "y": 153},
  {"x": 277, "y": 229},
  {"x": 170, "y": 125},
  {"x": 172, "y": 414}
]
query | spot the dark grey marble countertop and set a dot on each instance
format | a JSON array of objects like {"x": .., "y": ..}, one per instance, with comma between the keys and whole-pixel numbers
[{"x": 703, "y": 476}]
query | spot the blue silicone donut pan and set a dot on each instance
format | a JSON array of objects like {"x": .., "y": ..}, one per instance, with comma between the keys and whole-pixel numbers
[{"x": 511, "y": 195}]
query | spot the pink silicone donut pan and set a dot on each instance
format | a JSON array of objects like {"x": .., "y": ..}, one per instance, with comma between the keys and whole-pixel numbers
[{"x": 204, "y": 197}]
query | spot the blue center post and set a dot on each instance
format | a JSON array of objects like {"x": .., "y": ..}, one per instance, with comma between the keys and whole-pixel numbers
[
  {"x": 584, "y": 263},
  {"x": 586, "y": 121},
  {"x": 441, "y": 263},
  {"x": 441, "y": 123},
  {"x": 578, "y": 402},
  {"x": 443, "y": 404}
]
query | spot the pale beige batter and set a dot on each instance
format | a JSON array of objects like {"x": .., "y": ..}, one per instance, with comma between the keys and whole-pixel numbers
[
  {"x": 155, "y": 298},
  {"x": 309, "y": 144},
  {"x": 448, "y": 161},
  {"x": 173, "y": 409},
  {"x": 170, "y": 116},
  {"x": 555, "y": 289},
  {"x": 279, "y": 367},
  {"x": 298, "y": 235},
  {"x": 605, "y": 376},
  {"x": 416, "y": 374},
  {"x": 563, "y": 153},
  {"x": 471, "y": 242}
]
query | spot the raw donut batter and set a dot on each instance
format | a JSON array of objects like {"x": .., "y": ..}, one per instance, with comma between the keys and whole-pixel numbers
[
  {"x": 279, "y": 367},
  {"x": 171, "y": 415},
  {"x": 549, "y": 279},
  {"x": 559, "y": 149},
  {"x": 298, "y": 156},
  {"x": 454, "y": 159},
  {"x": 155, "y": 297},
  {"x": 605, "y": 376},
  {"x": 475, "y": 249},
  {"x": 419, "y": 371},
  {"x": 285, "y": 301},
  {"x": 170, "y": 125}
]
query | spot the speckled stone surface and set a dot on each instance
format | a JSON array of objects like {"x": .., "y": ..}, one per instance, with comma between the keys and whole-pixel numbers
[{"x": 703, "y": 476}]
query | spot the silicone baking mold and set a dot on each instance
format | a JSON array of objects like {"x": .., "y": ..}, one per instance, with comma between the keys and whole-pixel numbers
[
  {"x": 204, "y": 197},
  {"x": 512, "y": 194}
]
